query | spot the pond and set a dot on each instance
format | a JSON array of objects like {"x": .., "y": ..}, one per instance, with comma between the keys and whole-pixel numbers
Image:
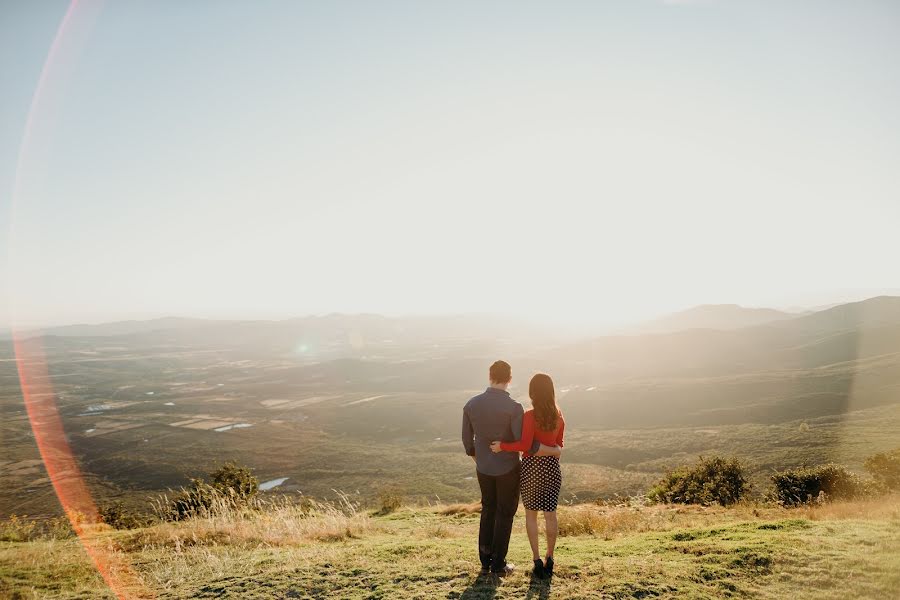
[{"x": 272, "y": 483}]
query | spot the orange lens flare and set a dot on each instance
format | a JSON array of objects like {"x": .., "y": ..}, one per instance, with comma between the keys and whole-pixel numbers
[
  {"x": 64, "y": 473},
  {"x": 40, "y": 402}
]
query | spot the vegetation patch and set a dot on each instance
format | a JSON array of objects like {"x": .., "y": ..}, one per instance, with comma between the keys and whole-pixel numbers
[
  {"x": 389, "y": 500},
  {"x": 753, "y": 560},
  {"x": 786, "y": 524},
  {"x": 119, "y": 516},
  {"x": 24, "y": 529},
  {"x": 713, "y": 480},
  {"x": 884, "y": 467},
  {"x": 587, "y": 519},
  {"x": 816, "y": 484},
  {"x": 472, "y": 508},
  {"x": 232, "y": 486}
]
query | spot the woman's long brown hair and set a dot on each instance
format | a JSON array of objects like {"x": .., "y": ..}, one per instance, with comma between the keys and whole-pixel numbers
[{"x": 543, "y": 399}]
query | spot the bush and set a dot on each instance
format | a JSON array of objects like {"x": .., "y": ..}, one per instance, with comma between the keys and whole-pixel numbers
[
  {"x": 389, "y": 500},
  {"x": 815, "y": 484},
  {"x": 119, "y": 516},
  {"x": 232, "y": 486},
  {"x": 711, "y": 480},
  {"x": 26, "y": 529},
  {"x": 232, "y": 479},
  {"x": 884, "y": 467},
  {"x": 196, "y": 500}
]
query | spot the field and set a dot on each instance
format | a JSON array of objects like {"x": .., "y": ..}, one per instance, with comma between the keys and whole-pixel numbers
[
  {"x": 131, "y": 444},
  {"x": 843, "y": 550}
]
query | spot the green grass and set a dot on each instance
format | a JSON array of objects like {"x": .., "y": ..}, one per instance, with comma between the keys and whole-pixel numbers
[{"x": 850, "y": 550}]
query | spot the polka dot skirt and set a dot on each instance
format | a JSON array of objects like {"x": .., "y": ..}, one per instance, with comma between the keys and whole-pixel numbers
[{"x": 541, "y": 480}]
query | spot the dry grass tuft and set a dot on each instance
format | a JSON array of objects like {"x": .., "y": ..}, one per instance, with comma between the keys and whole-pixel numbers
[
  {"x": 885, "y": 507},
  {"x": 461, "y": 509},
  {"x": 439, "y": 530},
  {"x": 605, "y": 522},
  {"x": 608, "y": 521},
  {"x": 279, "y": 523}
]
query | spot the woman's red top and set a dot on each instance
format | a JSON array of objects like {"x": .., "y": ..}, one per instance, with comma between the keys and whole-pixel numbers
[{"x": 530, "y": 432}]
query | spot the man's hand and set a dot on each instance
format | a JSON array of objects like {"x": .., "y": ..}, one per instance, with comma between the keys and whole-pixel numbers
[
  {"x": 549, "y": 451},
  {"x": 495, "y": 447}
]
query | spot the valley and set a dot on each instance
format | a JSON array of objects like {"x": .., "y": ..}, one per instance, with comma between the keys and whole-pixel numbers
[{"x": 358, "y": 405}]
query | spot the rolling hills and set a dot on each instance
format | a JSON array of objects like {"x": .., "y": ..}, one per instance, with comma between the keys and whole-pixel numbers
[
  {"x": 314, "y": 400},
  {"x": 711, "y": 316}
]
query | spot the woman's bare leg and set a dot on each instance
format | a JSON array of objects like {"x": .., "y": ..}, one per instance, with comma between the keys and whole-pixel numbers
[
  {"x": 552, "y": 529},
  {"x": 531, "y": 527}
]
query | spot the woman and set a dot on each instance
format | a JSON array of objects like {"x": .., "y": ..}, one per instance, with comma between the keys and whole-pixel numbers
[{"x": 541, "y": 477}]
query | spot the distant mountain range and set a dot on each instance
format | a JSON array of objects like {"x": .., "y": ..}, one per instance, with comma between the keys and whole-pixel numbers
[
  {"x": 812, "y": 339},
  {"x": 122, "y": 327},
  {"x": 712, "y": 316},
  {"x": 333, "y": 330},
  {"x": 878, "y": 311},
  {"x": 824, "y": 363}
]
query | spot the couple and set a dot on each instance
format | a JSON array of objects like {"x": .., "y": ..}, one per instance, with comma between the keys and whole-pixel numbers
[{"x": 495, "y": 429}]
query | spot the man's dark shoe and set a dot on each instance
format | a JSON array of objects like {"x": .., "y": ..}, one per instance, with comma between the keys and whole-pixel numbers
[
  {"x": 548, "y": 567},
  {"x": 538, "y": 571},
  {"x": 507, "y": 569},
  {"x": 485, "y": 562}
]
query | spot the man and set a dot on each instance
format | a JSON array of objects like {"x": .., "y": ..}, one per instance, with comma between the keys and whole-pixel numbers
[{"x": 490, "y": 416}]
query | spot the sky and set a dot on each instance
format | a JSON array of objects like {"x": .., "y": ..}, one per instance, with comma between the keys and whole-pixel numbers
[{"x": 572, "y": 162}]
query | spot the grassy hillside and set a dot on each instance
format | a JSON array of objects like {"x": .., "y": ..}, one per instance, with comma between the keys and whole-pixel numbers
[{"x": 843, "y": 550}]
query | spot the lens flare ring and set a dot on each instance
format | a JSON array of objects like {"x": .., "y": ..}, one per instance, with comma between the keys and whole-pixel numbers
[{"x": 40, "y": 400}]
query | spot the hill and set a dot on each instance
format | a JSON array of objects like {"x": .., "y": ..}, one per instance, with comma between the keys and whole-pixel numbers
[
  {"x": 346, "y": 331},
  {"x": 862, "y": 329},
  {"x": 840, "y": 551},
  {"x": 880, "y": 311},
  {"x": 711, "y": 316},
  {"x": 825, "y": 363}
]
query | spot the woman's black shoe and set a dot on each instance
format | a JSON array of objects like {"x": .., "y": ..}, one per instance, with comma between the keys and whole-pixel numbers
[
  {"x": 538, "y": 572},
  {"x": 548, "y": 567}
]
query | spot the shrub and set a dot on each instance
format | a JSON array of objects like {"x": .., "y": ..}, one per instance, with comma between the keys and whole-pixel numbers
[
  {"x": 234, "y": 480},
  {"x": 232, "y": 486},
  {"x": 196, "y": 500},
  {"x": 25, "y": 529},
  {"x": 814, "y": 484},
  {"x": 711, "y": 480},
  {"x": 884, "y": 467},
  {"x": 18, "y": 529},
  {"x": 119, "y": 516},
  {"x": 389, "y": 500}
]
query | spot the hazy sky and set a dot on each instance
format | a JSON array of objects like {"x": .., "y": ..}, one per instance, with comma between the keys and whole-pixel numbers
[{"x": 595, "y": 161}]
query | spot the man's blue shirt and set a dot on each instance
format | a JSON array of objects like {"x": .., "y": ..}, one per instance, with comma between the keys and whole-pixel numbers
[{"x": 492, "y": 416}]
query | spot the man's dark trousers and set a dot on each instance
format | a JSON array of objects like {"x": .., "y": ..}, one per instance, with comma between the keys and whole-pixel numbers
[{"x": 499, "y": 502}]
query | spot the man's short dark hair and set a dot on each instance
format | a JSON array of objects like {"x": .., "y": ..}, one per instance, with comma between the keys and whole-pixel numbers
[{"x": 501, "y": 372}]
